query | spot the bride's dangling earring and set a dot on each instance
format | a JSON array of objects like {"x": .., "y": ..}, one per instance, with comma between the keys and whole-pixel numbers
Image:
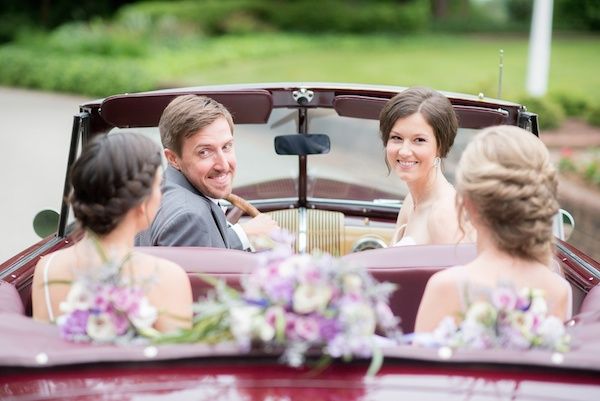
[{"x": 437, "y": 161}]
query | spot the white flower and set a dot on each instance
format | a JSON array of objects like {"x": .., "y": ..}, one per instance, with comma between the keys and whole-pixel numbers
[
  {"x": 79, "y": 298},
  {"x": 352, "y": 284},
  {"x": 101, "y": 328},
  {"x": 242, "y": 321},
  {"x": 385, "y": 316},
  {"x": 445, "y": 330},
  {"x": 358, "y": 318},
  {"x": 263, "y": 329},
  {"x": 538, "y": 305},
  {"x": 311, "y": 298},
  {"x": 524, "y": 323},
  {"x": 291, "y": 266},
  {"x": 145, "y": 315},
  {"x": 481, "y": 312},
  {"x": 475, "y": 334},
  {"x": 551, "y": 330}
]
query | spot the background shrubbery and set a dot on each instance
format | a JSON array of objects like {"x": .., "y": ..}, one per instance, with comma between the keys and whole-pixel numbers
[
  {"x": 102, "y": 47},
  {"x": 78, "y": 74}
]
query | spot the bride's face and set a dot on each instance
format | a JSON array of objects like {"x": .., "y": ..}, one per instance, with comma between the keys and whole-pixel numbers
[{"x": 411, "y": 148}]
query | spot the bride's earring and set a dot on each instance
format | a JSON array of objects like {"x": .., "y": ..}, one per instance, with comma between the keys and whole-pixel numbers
[{"x": 436, "y": 161}]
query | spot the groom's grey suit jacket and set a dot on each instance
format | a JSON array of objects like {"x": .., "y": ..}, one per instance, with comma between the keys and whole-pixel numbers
[{"x": 186, "y": 217}]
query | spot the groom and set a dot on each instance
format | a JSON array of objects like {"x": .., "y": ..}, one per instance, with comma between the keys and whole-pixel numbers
[{"x": 197, "y": 134}]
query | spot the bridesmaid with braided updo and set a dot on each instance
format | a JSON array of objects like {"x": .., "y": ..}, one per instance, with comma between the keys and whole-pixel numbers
[
  {"x": 506, "y": 186},
  {"x": 115, "y": 194}
]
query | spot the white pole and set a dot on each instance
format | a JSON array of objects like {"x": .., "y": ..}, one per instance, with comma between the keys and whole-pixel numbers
[{"x": 540, "y": 39}]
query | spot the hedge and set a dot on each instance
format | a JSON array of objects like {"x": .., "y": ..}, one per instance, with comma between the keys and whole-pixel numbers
[{"x": 86, "y": 75}]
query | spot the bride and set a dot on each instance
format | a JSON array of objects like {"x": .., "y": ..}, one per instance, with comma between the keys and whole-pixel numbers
[{"x": 418, "y": 127}]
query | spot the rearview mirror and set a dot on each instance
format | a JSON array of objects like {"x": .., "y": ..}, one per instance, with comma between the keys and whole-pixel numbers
[{"x": 302, "y": 144}]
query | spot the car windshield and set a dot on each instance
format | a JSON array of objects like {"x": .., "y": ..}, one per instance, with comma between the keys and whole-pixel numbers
[{"x": 356, "y": 158}]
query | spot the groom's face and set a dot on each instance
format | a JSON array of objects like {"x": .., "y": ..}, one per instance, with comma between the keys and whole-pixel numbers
[{"x": 208, "y": 159}]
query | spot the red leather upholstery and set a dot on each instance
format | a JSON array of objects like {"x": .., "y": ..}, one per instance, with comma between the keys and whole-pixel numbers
[
  {"x": 225, "y": 264},
  {"x": 10, "y": 300},
  {"x": 409, "y": 267}
]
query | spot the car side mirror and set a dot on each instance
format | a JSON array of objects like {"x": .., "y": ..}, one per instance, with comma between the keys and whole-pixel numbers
[
  {"x": 302, "y": 144},
  {"x": 45, "y": 223},
  {"x": 563, "y": 225}
]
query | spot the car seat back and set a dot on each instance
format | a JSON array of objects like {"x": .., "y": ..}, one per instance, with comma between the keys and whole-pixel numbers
[{"x": 10, "y": 300}]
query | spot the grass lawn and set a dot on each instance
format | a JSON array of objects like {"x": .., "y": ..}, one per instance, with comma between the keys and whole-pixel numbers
[{"x": 445, "y": 62}]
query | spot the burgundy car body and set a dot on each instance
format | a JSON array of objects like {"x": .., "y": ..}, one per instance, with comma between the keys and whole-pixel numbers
[{"x": 35, "y": 364}]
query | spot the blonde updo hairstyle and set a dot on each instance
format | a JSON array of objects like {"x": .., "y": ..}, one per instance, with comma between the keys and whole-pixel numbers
[{"x": 506, "y": 174}]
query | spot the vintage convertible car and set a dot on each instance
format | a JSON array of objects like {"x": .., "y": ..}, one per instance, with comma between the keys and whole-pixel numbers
[{"x": 309, "y": 154}]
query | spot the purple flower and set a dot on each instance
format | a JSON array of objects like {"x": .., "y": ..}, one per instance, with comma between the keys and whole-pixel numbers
[
  {"x": 126, "y": 299},
  {"x": 73, "y": 326},
  {"x": 329, "y": 328},
  {"x": 279, "y": 290}
]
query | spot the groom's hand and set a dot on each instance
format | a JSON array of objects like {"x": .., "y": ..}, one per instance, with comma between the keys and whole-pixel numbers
[{"x": 260, "y": 225}]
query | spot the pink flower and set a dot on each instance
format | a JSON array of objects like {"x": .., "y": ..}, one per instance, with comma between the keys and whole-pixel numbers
[
  {"x": 307, "y": 328},
  {"x": 504, "y": 298},
  {"x": 73, "y": 326},
  {"x": 566, "y": 152}
]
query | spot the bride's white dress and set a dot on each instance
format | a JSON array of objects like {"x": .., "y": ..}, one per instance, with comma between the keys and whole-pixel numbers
[{"x": 406, "y": 240}]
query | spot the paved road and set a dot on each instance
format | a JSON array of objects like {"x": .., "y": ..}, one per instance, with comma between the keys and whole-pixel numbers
[{"x": 35, "y": 129}]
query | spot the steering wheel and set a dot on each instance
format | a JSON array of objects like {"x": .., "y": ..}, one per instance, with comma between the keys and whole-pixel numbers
[{"x": 240, "y": 206}]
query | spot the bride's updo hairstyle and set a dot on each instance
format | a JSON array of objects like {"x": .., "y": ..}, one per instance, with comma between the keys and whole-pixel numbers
[
  {"x": 113, "y": 174},
  {"x": 506, "y": 174}
]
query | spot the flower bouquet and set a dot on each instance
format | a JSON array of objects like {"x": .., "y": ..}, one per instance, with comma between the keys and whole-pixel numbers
[
  {"x": 298, "y": 303},
  {"x": 510, "y": 319},
  {"x": 105, "y": 306}
]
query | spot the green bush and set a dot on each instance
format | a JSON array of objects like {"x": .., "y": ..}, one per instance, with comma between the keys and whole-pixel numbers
[
  {"x": 86, "y": 75},
  {"x": 576, "y": 15},
  {"x": 550, "y": 113},
  {"x": 350, "y": 16},
  {"x": 485, "y": 16},
  {"x": 96, "y": 38},
  {"x": 593, "y": 115},
  {"x": 573, "y": 105},
  {"x": 591, "y": 173},
  {"x": 244, "y": 16},
  {"x": 566, "y": 165}
]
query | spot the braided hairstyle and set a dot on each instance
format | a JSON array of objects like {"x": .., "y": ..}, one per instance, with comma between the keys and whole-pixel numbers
[
  {"x": 507, "y": 175},
  {"x": 113, "y": 174}
]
